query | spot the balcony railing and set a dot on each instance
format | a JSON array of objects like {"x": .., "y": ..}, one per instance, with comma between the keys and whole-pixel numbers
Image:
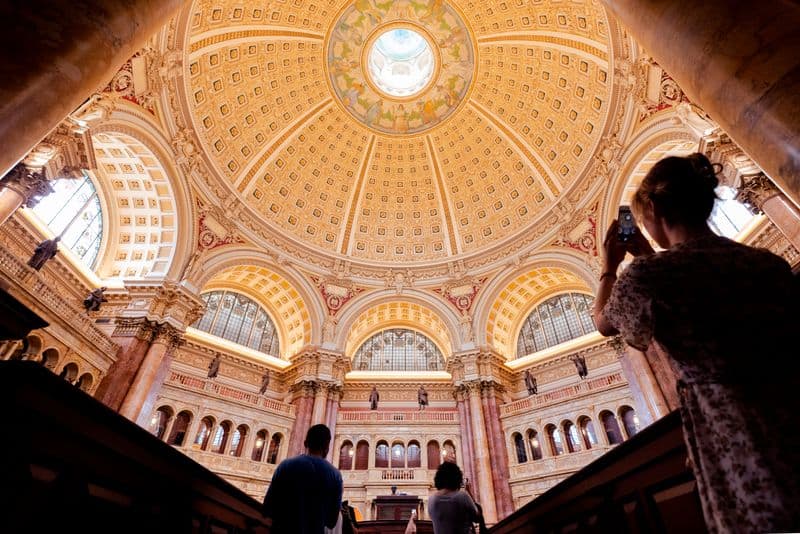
[
  {"x": 233, "y": 394},
  {"x": 418, "y": 416},
  {"x": 584, "y": 387}
]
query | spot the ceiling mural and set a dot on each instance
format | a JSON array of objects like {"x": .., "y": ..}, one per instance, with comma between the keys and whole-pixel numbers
[{"x": 400, "y": 67}]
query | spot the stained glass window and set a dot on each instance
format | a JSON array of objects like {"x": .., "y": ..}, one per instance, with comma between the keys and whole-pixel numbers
[
  {"x": 555, "y": 321},
  {"x": 398, "y": 349},
  {"x": 73, "y": 211},
  {"x": 240, "y": 319},
  {"x": 729, "y": 216}
]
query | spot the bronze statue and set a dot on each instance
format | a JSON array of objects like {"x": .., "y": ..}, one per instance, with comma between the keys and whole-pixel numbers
[
  {"x": 213, "y": 367},
  {"x": 422, "y": 397},
  {"x": 580, "y": 365},
  {"x": 264, "y": 382},
  {"x": 95, "y": 298},
  {"x": 530, "y": 383},
  {"x": 44, "y": 251},
  {"x": 373, "y": 398}
]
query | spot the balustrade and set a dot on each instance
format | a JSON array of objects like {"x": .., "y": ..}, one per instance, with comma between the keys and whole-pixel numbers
[{"x": 555, "y": 396}]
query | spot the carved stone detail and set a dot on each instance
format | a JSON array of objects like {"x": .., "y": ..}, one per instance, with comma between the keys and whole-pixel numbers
[
  {"x": 31, "y": 185},
  {"x": 756, "y": 190}
]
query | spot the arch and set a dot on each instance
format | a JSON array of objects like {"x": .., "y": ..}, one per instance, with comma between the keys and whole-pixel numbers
[
  {"x": 50, "y": 358},
  {"x": 535, "y": 445},
  {"x": 515, "y": 294},
  {"x": 204, "y": 432},
  {"x": 346, "y": 453},
  {"x": 397, "y": 458},
  {"x": 160, "y": 421},
  {"x": 382, "y": 454},
  {"x": 434, "y": 454},
  {"x": 572, "y": 436},
  {"x": 274, "y": 448},
  {"x": 291, "y": 301},
  {"x": 611, "y": 427},
  {"x": 237, "y": 440},
  {"x": 554, "y": 439},
  {"x": 259, "y": 446},
  {"x": 221, "y": 436},
  {"x": 85, "y": 382},
  {"x": 390, "y": 311},
  {"x": 398, "y": 349},
  {"x": 70, "y": 372},
  {"x": 449, "y": 451},
  {"x": 413, "y": 459},
  {"x": 519, "y": 448},
  {"x": 587, "y": 431},
  {"x": 362, "y": 456},
  {"x": 556, "y": 320},
  {"x": 179, "y": 428},
  {"x": 29, "y": 349},
  {"x": 630, "y": 421}
]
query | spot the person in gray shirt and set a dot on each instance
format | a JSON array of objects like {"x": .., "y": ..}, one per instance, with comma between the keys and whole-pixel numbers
[{"x": 451, "y": 510}]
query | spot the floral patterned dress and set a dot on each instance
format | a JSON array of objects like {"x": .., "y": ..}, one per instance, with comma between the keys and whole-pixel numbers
[{"x": 726, "y": 315}]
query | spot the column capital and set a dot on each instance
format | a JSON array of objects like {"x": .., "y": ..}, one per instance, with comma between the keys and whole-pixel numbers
[
  {"x": 138, "y": 327},
  {"x": 28, "y": 183},
  {"x": 755, "y": 190},
  {"x": 168, "y": 335}
]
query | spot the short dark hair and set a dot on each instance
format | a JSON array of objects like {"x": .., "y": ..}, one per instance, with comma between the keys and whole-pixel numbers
[
  {"x": 318, "y": 437},
  {"x": 448, "y": 476}
]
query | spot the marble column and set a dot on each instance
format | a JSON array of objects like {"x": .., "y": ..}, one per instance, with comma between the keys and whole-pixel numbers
[
  {"x": 483, "y": 469},
  {"x": 651, "y": 403},
  {"x": 320, "y": 402},
  {"x": 737, "y": 60},
  {"x": 759, "y": 192},
  {"x": 45, "y": 79},
  {"x": 497, "y": 446},
  {"x": 21, "y": 187},
  {"x": 134, "y": 337},
  {"x": 333, "y": 412},
  {"x": 467, "y": 457},
  {"x": 303, "y": 410},
  {"x": 150, "y": 377}
]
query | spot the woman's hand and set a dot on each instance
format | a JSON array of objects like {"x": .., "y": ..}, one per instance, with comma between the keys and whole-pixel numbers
[
  {"x": 639, "y": 245},
  {"x": 614, "y": 249}
]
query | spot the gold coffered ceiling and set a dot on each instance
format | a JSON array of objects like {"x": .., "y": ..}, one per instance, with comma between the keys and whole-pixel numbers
[{"x": 262, "y": 103}]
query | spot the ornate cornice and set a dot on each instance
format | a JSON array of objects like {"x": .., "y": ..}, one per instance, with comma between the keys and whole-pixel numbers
[
  {"x": 756, "y": 190},
  {"x": 29, "y": 184}
]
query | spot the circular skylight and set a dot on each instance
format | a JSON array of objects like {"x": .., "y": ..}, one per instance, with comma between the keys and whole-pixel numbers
[{"x": 401, "y": 62}]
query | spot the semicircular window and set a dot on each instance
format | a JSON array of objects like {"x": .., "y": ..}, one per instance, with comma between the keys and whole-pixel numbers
[
  {"x": 398, "y": 349},
  {"x": 240, "y": 319},
  {"x": 554, "y": 321},
  {"x": 73, "y": 212}
]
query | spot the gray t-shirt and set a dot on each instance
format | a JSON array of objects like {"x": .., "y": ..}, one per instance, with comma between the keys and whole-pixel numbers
[{"x": 452, "y": 512}]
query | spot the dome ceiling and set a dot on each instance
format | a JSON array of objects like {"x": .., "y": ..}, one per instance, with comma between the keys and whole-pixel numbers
[{"x": 399, "y": 132}]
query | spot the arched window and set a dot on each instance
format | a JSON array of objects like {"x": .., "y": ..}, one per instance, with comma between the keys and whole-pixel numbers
[
  {"x": 70, "y": 373},
  {"x": 398, "y": 458},
  {"x": 519, "y": 447},
  {"x": 448, "y": 452},
  {"x": 85, "y": 382},
  {"x": 729, "y": 216},
  {"x": 536, "y": 447},
  {"x": 29, "y": 349},
  {"x": 73, "y": 211},
  {"x": 259, "y": 446},
  {"x": 413, "y": 454},
  {"x": 221, "y": 437},
  {"x": 274, "y": 447},
  {"x": 240, "y": 319},
  {"x": 556, "y": 320},
  {"x": 611, "y": 427},
  {"x": 382, "y": 454},
  {"x": 160, "y": 420},
  {"x": 237, "y": 441},
  {"x": 362, "y": 456},
  {"x": 434, "y": 455},
  {"x": 398, "y": 349},
  {"x": 587, "y": 431},
  {"x": 179, "y": 428},
  {"x": 573, "y": 438},
  {"x": 50, "y": 358},
  {"x": 554, "y": 437},
  {"x": 629, "y": 420},
  {"x": 204, "y": 433},
  {"x": 346, "y": 456}
]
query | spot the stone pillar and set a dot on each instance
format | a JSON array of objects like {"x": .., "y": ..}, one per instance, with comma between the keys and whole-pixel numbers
[
  {"x": 193, "y": 428},
  {"x": 150, "y": 377},
  {"x": 333, "y": 412},
  {"x": 759, "y": 192},
  {"x": 46, "y": 79},
  {"x": 750, "y": 86},
  {"x": 467, "y": 456},
  {"x": 320, "y": 402},
  {"x": 497, "y": 448},
  {"x": 247, "y": 446},
  {"x": 483, "y": 469},
  {"x": 21, "y": 187},
  {"x": 303, "y": 405},
  {"x": 651, "y": 403},
  {"x": 134, "y": 337}
]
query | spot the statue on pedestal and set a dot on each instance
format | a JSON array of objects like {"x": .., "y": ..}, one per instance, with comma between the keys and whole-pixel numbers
[
  {"x": 373, "y": 398},
  {"x": 213, "y": 367},
  {"x": 530, "y": 383},
  {"x": 264, "y": 382},
  {"x": 422, "y": 397},
  {"x": 580, "y": 365},
  {"x": 44, "y": 251},
  {"x": 95, "y": 299}
]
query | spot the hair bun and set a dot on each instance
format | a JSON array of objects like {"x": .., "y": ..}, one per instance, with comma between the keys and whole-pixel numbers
[{"x": 704, "y": 169}]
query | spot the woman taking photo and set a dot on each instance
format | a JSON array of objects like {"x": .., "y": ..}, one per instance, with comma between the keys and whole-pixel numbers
[
  {"x": 725, "y": 314},
  {"x": 451, "y": 510}
]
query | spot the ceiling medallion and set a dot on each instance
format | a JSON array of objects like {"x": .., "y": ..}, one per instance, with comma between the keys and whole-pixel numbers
[{"x": 400, "y": 67}]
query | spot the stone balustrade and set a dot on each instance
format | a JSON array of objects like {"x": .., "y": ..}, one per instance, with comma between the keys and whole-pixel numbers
[
  {"x": 557, "y": 465},
  {"x": 583, "y": 388},
  {"x": 419, "y": 416}
]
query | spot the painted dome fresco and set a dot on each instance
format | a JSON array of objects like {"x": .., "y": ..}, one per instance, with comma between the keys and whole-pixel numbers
[{"x": 410, "y": 133}]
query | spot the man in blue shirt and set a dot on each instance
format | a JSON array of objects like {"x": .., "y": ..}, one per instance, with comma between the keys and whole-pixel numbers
[{"x": 305, "y": 494}]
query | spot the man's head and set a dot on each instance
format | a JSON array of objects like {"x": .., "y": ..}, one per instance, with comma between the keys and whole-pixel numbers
[{"x": 318, "y": 440}]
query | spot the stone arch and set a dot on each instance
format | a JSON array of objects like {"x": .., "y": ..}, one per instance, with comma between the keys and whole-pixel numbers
[{"x": 505, "y": 303}]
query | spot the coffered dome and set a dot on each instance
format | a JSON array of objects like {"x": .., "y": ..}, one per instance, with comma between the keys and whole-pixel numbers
[{"x": 401, "y": 132}]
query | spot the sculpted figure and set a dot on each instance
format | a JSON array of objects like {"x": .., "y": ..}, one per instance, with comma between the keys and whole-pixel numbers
[
  {"x": 373, "y": 398},
  {"x": 45, "y": 251},
  {"x": 264, "y": 382},
  {"x": 213, "y": 367},
  {"x": 422, "y": 397},
  {"x": 95, "y": 299},
  {"x": 530, "y": 383}
]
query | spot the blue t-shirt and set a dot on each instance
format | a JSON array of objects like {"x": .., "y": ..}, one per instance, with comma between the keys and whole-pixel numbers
[{"x": 304, "y": 492}]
